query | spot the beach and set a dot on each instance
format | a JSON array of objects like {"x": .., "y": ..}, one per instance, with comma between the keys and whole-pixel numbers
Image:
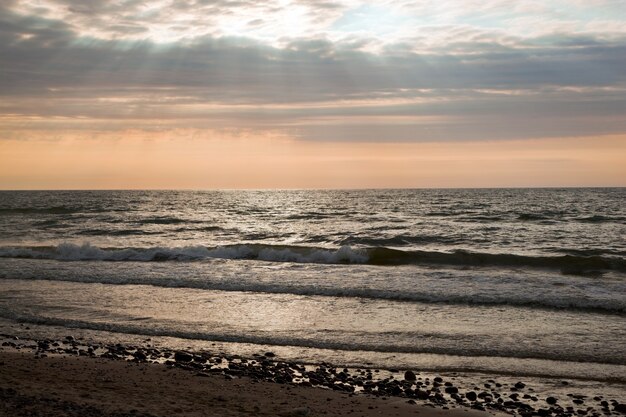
[
  {"x": 70, "y": 377},
  {"x": 72, "y": 385}
]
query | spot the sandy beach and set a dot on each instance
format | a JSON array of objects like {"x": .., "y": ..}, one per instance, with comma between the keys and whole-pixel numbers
[
  {"x": 83, "y": 386},
  {"x": 73, "y": 377}
]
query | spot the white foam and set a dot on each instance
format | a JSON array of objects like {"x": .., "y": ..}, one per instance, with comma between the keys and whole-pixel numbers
[{"x": 87, "y": 252}]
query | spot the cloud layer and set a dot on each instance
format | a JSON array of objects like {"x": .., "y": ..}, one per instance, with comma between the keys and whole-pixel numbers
[{"x": 317, "y": 70}]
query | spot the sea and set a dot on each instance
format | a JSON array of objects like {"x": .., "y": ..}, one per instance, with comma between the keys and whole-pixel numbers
[{"x": 525, "y": 284}]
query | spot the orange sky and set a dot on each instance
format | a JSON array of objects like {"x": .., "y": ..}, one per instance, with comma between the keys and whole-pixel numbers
[{"x": 193, "y": 159}]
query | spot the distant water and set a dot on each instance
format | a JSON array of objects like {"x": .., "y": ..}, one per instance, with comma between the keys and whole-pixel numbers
[{"x": 522, "y": 281}]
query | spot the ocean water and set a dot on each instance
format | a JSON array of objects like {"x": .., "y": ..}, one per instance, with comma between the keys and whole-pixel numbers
[{"x": 519, "y": 282}]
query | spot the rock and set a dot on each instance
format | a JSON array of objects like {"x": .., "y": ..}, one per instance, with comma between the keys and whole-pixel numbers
[
  {"x": 520, "y": 385},
  {"x": 471, "y": 396},
  {"x": 422, "y": 395},
  {"x": 182, "y": 357},
  {"x": 410, "y": 376},
  {"x": 438, "y": 379},
  {"x": 451, "y": 390},
  {"x": 270, "y": 354},
  {"x": 551, "y": 400},
  {"x": 620, "y": 408}
]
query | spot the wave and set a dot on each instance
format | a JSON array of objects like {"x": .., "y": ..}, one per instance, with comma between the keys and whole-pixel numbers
[
  {"x": 399, "y": 240},
  {"x": 568, "y": 264},
  {"x": 545, "y": 217},
  {"x": 533, "y": 216},
  {"x": 40, "y": 210},
  {"x": 166, "y": 220},
  {"x": 356, "y": 344},
  {"x": 275, "y": 253},
  {"x": 527, "y": 300},
  {"x": 601, "y": 219},
  {"x": 121, "y": 232},
  {"x": 383, "y": 256}
]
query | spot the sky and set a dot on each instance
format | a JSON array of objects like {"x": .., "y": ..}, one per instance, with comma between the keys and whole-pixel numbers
[{"x": 205, "y": 94}]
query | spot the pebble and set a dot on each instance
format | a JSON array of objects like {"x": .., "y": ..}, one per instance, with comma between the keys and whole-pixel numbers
[
  {"x": 182, "y": 357},
  {"x": 434, "y": 393},
  {"x": 410, "y": 376}
]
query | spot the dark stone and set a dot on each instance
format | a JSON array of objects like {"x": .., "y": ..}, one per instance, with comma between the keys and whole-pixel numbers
[
  {"x": 182, "y": 357},
  {"x": 520, "y": 385},
  {"x": 270, "y": 354},
  {"x": 422, "y": 395},
  {"x": 410, "y": 376},
  {"x": 620, "y": 408},
  {"x": 438, "y": 379},
  {"x": 551, "y": 400},
  {"x": 452, "y": 390},
  {"x": 438, "y": 398},
  {"x": 471, "y": 396}
]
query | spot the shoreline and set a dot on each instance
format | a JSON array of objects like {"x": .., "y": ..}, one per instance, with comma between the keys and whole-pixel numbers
[{"x": 361, "y": 390}]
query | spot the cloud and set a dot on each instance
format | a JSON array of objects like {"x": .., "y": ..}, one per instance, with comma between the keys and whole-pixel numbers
[{"x": 443, "y": 80}]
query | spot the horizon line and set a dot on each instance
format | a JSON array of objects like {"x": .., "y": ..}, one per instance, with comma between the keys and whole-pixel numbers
[{"x": 321, "y": 188}]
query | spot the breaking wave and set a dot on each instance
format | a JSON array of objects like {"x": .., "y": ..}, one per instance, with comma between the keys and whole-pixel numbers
[
  {"x": 567, "y": 264},
  {"x": 272, "y": 253}
]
